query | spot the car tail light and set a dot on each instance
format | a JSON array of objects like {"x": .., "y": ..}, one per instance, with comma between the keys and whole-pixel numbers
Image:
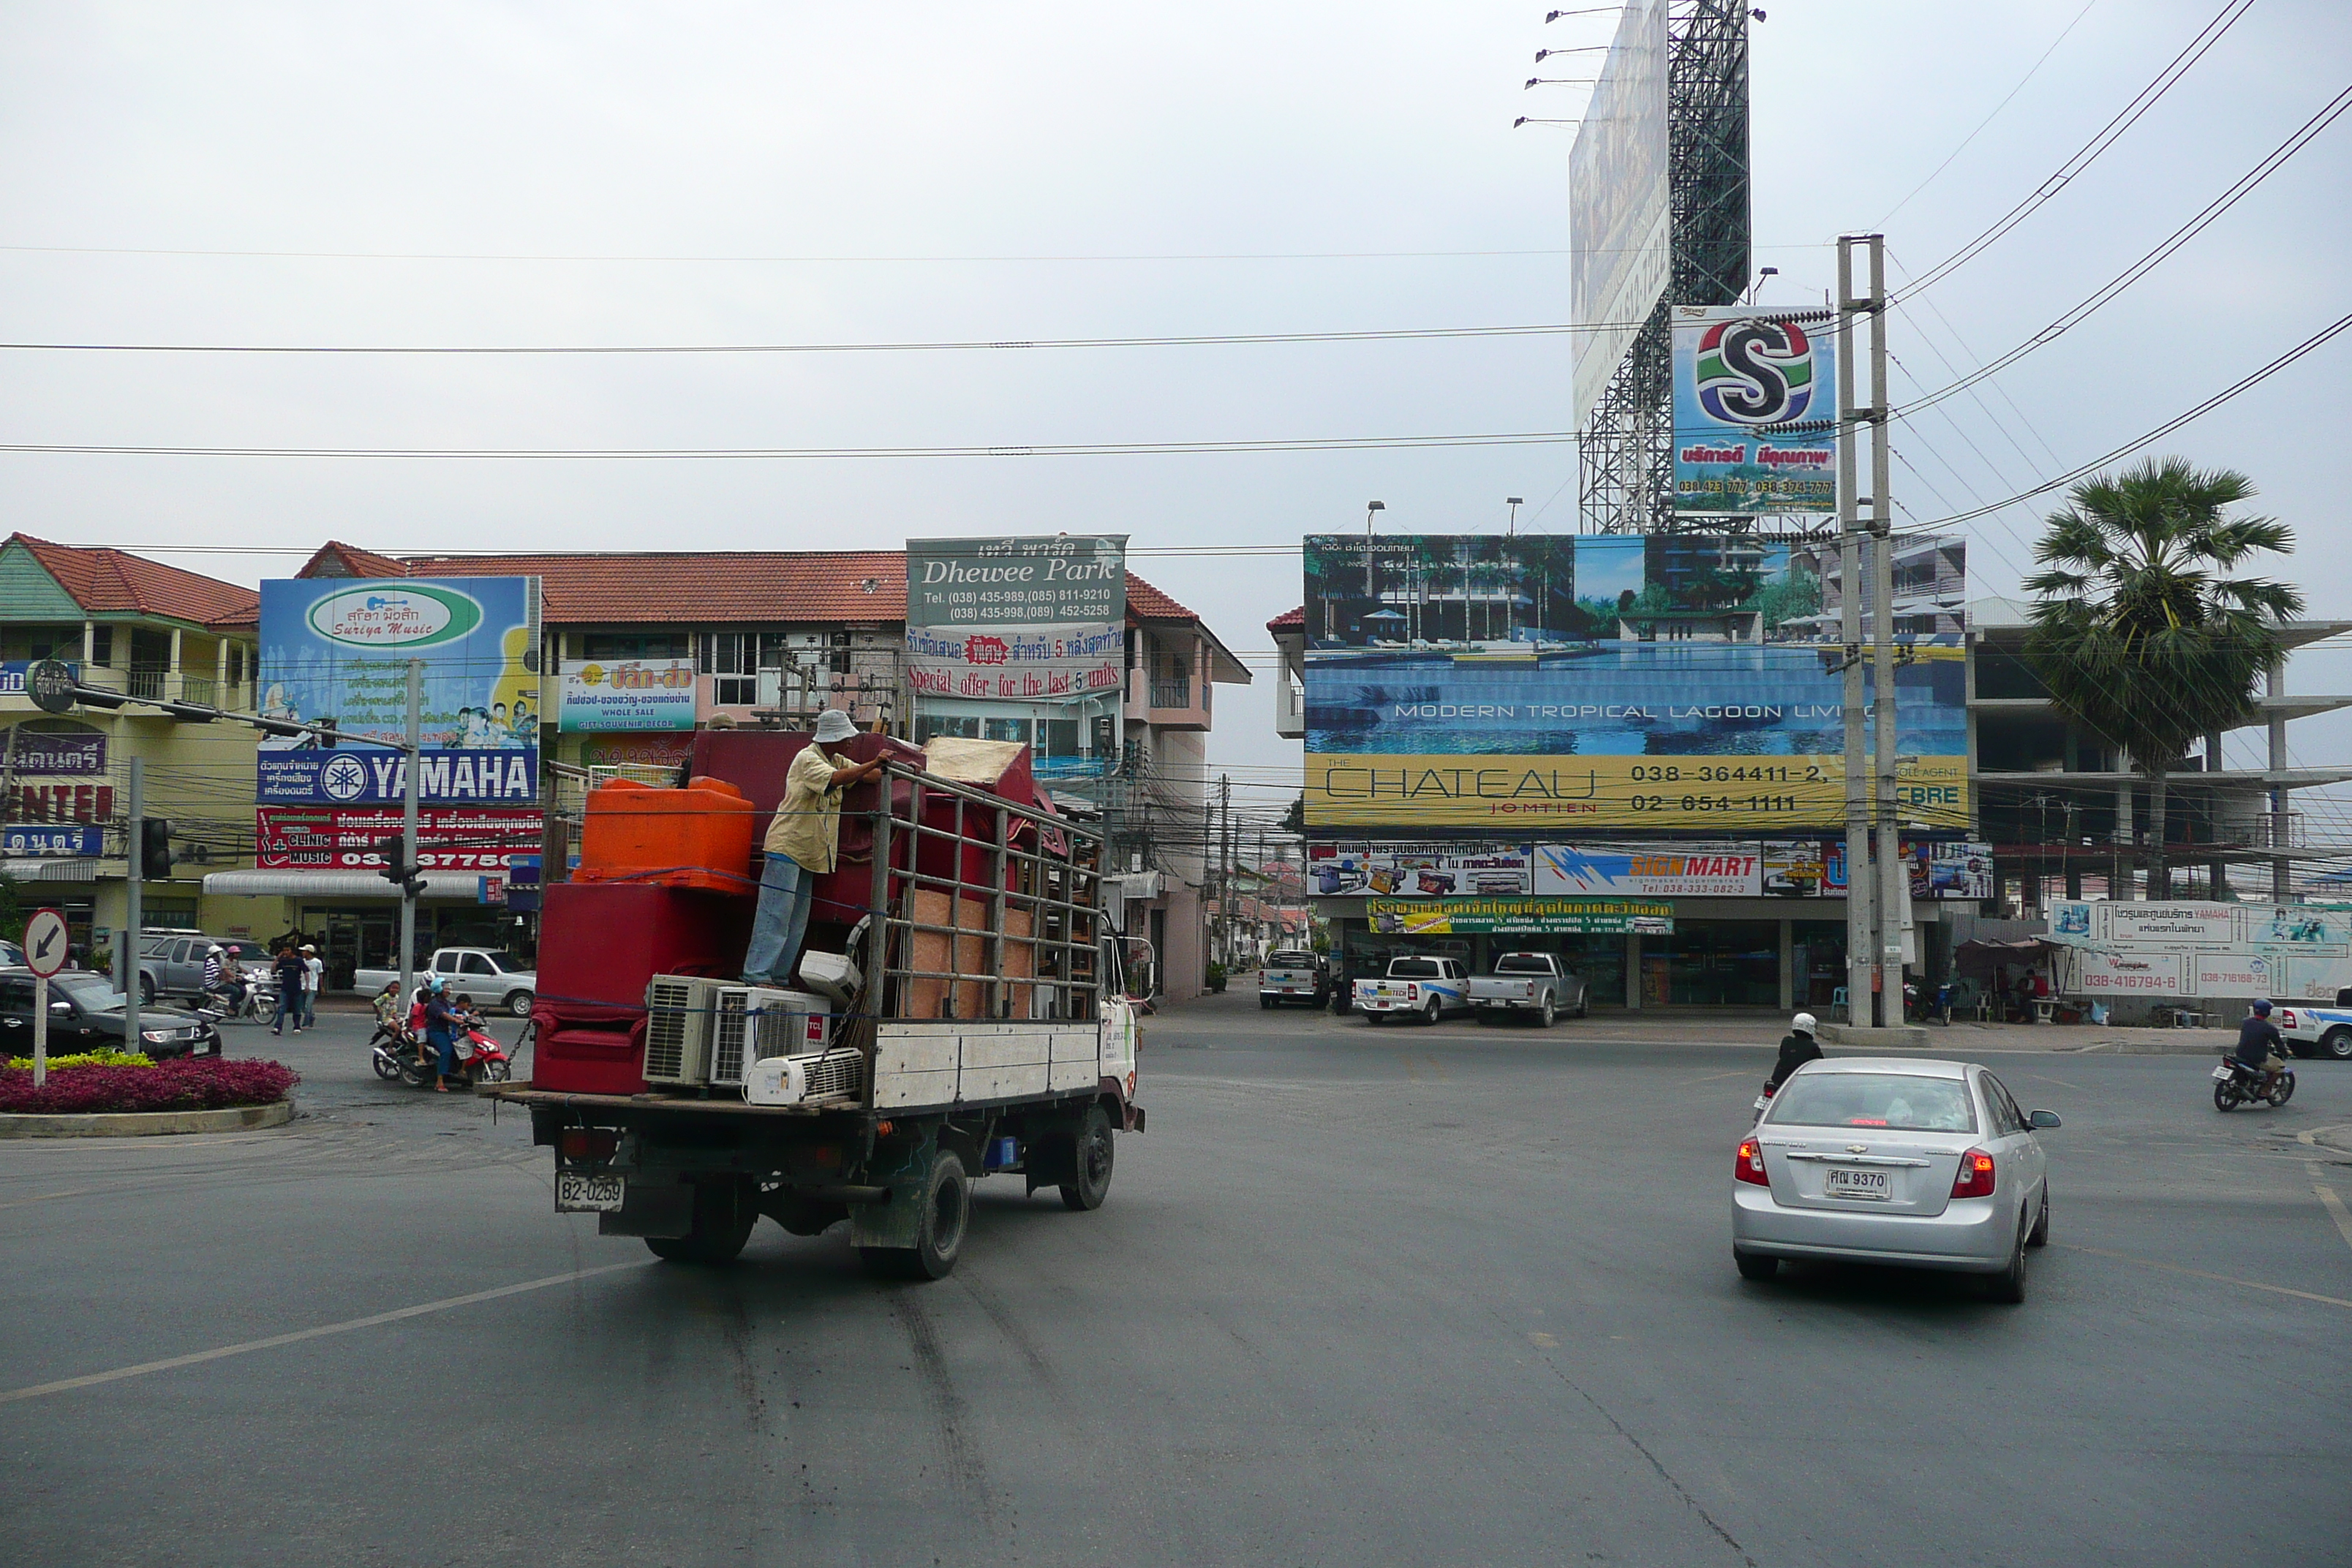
[
  {"x": 2286, "y": 1017},
  {"x": 588, "y": 1143},
  {"x": 1749, "y": 1164},
  {"x": 1975, "y": 1178}
]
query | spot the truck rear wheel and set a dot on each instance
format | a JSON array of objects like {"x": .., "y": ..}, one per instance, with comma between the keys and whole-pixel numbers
[
  {"x": 1090, "y": 1181},
  {"x": 724, "y": 1214},
  {"x": 1548, "y": 1014},
  {"x": 939, "y": 1225}
]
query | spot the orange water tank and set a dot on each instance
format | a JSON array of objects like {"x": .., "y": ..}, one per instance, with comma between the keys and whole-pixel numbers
[{"x": 698, "y": 836}]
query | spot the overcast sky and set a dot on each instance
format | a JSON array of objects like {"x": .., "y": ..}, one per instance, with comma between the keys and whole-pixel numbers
[{"x": 832, "y": 137}]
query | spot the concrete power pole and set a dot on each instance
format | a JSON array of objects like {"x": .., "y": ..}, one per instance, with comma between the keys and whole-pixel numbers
[
  {"x": 1861, "y": 927},
  {"x": 1893, "y": 904},
  {"x": 409, "y": 771},
  {"x": 1879, "y": 895}
]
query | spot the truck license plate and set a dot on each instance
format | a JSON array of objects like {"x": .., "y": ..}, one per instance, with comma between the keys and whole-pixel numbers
[
  {"x": 1844, "y": 1183},
  {"x": 579, "y": 1194}
]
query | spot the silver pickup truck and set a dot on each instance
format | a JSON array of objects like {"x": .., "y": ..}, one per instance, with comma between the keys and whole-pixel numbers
[
  {"x": 497, "y": 981},
  {"x": 1528, "y": 983}
]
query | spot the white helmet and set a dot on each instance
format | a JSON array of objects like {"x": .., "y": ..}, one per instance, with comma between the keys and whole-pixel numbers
[{"x": 1803, "y": 1023}]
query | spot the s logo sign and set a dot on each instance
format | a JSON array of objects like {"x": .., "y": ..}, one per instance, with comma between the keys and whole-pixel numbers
[{"x": 1755, "y": 371}]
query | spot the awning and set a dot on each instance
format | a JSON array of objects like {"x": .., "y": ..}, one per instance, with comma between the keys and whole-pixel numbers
[
  {"x": 1983, "y": 955},
  {"x": 43, "y": 868},
  {"x": 466, "y": 885}
]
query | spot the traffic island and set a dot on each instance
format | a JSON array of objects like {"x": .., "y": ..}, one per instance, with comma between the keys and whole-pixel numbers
[
  {"x": 147, "y": 1123},
  {"x": 118, "y": 1096}
]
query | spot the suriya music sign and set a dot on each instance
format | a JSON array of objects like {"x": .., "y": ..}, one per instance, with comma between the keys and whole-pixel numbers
[
  {"x": 1755, "y": 412},
  {"x": 1019, "y": 619}
]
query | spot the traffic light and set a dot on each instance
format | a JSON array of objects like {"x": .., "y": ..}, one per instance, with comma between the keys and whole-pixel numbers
[
  {"x": 396, "y": 868},
  {"x": 154, "y": 849}
]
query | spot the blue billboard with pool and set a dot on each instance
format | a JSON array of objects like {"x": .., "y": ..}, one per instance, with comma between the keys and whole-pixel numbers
[{"x": 1675, "y": 683}]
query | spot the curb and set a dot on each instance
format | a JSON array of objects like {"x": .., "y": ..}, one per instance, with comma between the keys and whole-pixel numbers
[{"x": 147, "y": 1123}]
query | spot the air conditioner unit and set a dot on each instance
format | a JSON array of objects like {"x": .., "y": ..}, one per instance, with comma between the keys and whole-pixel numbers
[
  {"x": 755, "y": 1021},
  {"x": 805, "y": 1079},
  {"x": 680, "y": 1012}
]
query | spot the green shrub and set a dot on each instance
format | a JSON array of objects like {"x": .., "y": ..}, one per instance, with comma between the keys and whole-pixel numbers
[{"x": 87, "y": 1059}]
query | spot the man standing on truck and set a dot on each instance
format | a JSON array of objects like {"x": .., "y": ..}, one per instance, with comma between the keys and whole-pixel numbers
[{"x": 803, "y": 842}]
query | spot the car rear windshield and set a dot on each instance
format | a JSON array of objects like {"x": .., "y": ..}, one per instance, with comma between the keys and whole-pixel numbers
[
  {"x": 1290, "y": 961},
  {"x": 1898, "y": 1102},
  {"x": 1413, "y": 969},
  {"x": 1523, "y": 963}
]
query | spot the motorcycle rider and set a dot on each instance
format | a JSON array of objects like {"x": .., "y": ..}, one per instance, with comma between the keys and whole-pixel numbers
[
  {"x": 440, "y": 1031},
  {"x": 1797, "y": 1047},
  {"x": 388, "y": 1028},
  {"x": 221, "y": 986},
  {"x": 2261, "y": 1047}
]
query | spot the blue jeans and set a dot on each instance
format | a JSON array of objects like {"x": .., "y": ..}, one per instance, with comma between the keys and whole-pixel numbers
[
  {"x": 308, "y": 1016},
  {"x": 288, "y": 1006},
  {"x": 782, "y": 921},
  {"x": 445, "y": 1043}
]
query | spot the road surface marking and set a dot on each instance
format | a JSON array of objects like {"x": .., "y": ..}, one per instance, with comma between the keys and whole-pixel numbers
[
  {"x": 2201, "y": 1274},
  {"x": 352, "y": 1325},
  {"x": 2335, "y": 1209},
  {"x": 1544, "y": 1341}
]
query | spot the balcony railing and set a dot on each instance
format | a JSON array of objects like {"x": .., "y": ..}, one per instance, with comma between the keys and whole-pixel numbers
[
  {"x": 1171, "y": 693},
  {"x": 198, "y": 688},
  {"x": 145, "y": 682}
]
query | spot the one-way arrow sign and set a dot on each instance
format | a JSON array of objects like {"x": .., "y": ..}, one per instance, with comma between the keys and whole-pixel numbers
[{"x": 46, "y": 945}]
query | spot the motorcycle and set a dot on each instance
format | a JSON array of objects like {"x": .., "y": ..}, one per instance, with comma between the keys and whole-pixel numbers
[
  {"x": 404, "y": 1056},
  {"x": 2236, "y": 1084},
  {"x": 1763, "y": 1103}
]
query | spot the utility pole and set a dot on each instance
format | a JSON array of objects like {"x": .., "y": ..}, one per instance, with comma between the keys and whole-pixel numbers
[
  {"x": 1225, "y": 866},
  {"x": 409, "y": 772},
  {"x": 1861, "y": 926},
  {"x": 1894, "y": 902},
  {"x": 126, "y": 962}
]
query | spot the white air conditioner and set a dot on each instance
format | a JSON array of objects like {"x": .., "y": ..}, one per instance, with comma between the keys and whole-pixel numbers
[
  {"x": 680, "y": 1012},
  {"x": 806, "y": 1078},
  {"x": 755, "y": 1021}
]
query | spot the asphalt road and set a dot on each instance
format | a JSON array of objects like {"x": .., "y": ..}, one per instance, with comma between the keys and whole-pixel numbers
[{"x": 1360, "y": 1296}]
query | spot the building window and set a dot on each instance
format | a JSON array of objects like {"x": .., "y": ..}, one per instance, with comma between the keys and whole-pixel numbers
[
  {"x": 730, "y": 658},
  {"x": 101, "y": 644},
  {"x": 609, "y": 646}
]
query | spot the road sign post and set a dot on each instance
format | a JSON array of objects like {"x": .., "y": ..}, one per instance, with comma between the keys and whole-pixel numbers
[{"x": 46, "y": 946}]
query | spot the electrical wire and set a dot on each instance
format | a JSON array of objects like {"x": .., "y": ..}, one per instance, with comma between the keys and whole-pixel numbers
[{"x": 1070, "y": 449}]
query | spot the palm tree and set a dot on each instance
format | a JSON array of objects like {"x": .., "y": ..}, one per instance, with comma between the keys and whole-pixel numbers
[{"x": 2137, "y": 632}]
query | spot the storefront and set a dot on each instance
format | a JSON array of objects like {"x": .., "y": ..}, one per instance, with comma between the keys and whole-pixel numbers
[{"x": 355, "y": 916}]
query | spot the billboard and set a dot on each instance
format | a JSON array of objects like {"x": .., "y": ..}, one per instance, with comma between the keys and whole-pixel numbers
[
  {"x": 1017, "y": 619},
  {"x": 607, "y": 696},
  {"x": 1684, "y": 683},
  {"x": 2288, "y": 951},
  {"x": 76, "y": 751},
  {"x": 1617, "y": 206},
  {"x": 326, "y": 839},
  {"x": 1650, "y": 870},
  {"x": 1416, "y": 871},
  {"x": 1520, "y": 916},
  {"x": 1743, "y": 377},
  {"x": 336, "y": 650}
]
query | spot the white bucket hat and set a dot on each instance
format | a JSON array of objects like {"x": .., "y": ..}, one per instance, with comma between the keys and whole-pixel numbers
[{"x": 833, "y": 724}]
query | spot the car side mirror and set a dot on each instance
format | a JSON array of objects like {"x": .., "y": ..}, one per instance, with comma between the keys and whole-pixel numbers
[
  {"x": 60, "y": 1006},
  {"x": 2039, "y": 1120}
]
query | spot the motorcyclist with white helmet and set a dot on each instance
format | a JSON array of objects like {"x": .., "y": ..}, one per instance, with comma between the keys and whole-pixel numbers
[{"x": 1797, "y": 1047}]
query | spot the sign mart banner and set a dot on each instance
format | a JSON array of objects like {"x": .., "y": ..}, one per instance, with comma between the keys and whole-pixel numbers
[
  {"x": 1520, "y": 916},
  {"x": 1741, "y": 377},
  {"x": 1017, "y": 619},
  {"x": 337, "y": 648},
  {"x": 288, "y": 839},
  {"x": 1669, "y": 683},
  {"x": 1650, "y": 870},
  {"x": 632, "y": 694},
  {"x": 1617, "y": 202}
]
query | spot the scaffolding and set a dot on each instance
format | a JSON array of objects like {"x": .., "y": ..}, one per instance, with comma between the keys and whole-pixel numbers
[{"x": 1625, "y": 451}]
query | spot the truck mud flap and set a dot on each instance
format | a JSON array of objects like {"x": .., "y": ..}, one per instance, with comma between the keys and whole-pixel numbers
[
  {"x": 650, "y": 1208},
  {"x": 893, "y": 1222}
]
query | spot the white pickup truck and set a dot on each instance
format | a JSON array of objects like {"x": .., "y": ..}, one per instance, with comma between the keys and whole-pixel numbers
[
  {"x": 498, "y": 982},
  {"x": 1424, "y": 988},
  {"x": 2318, "y": 1031},
  {"x": 1530, "y": 982}
]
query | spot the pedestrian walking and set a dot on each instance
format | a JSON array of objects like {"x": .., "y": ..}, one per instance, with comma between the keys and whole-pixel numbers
[{"x": 314, "y": 975}]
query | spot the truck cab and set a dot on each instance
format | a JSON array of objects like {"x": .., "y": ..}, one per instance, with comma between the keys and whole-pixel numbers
[{"x": 1422, "y": 987}]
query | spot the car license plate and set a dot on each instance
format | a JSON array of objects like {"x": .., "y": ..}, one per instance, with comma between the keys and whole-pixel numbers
[
  {"x": 1873, "y": 1184},
  {"x": 2220, "y": 1074},
  {"x": 578, "y": 1193}
]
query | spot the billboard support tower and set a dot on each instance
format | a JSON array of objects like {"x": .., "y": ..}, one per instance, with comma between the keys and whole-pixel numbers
[
  {"x": 408, "y": 761},
  {"x": 1626, "y": 437},
  {"x": 1877, "y": 899}
]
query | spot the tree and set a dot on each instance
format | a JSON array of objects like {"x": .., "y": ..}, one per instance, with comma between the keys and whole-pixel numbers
[{"x": 2137, "y": 632}]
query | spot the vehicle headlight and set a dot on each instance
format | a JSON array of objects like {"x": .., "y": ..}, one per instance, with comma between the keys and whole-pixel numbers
[{"x": 154, "y": 1037}]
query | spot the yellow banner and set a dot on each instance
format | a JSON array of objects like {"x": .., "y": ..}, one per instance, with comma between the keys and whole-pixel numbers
[{"x": 1552, "y": 796}]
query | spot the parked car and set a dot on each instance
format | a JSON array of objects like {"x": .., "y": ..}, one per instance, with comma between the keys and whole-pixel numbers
[
  {"x": 86, "y": 1015},
  {"x": 1418, "y": 986},
  {"x": 1292, "y": 975},
  {"x": 1530, "y": 982},
  {"x": 11, "y": 955},
  {"x": 1925, "y": 1164},
  {"x": 495, "y": 979},
  {"x": 172, "y": 962}
]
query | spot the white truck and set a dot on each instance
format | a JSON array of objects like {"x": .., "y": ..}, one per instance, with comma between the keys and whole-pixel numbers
[
  {"x": 497, "y": 981},
  {"x": 1532, "y": 983},
  {"x": 1424, "y": 988},
  {"x": 2318, "y": 1031},
  {"x": 1291, "y": 974},
  {"x": 975, "y": 1022}
]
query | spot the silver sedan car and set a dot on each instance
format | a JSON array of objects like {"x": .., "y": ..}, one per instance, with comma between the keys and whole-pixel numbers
[{"x": 1924, "y": 1164}]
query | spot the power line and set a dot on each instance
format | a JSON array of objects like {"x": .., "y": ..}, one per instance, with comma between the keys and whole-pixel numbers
[{"x": 1073, "y": 450}]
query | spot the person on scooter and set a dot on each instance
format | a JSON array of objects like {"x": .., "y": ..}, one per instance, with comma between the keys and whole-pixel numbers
[
  {"x": 1797, "y": 1047},
  {"x": 222, "y": 987},
  {"x": 388, "y": 1028},
  {"x": 2260, "y": 1045},
  {"x": 441, "y": 1032}
]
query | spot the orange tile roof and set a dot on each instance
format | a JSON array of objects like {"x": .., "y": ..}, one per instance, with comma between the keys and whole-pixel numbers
[
  {"x": 1289, "y": 621},
  {"x": 114, "y": 581},
  {"x": 707, "y": 587}
]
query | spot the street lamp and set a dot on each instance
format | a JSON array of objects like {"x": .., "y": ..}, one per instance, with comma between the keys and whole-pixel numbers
[
  {"x": 1560, "y": 81},
  {"x": 1524, "y": 119},
  {"x": 1514, "y": 503}
]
